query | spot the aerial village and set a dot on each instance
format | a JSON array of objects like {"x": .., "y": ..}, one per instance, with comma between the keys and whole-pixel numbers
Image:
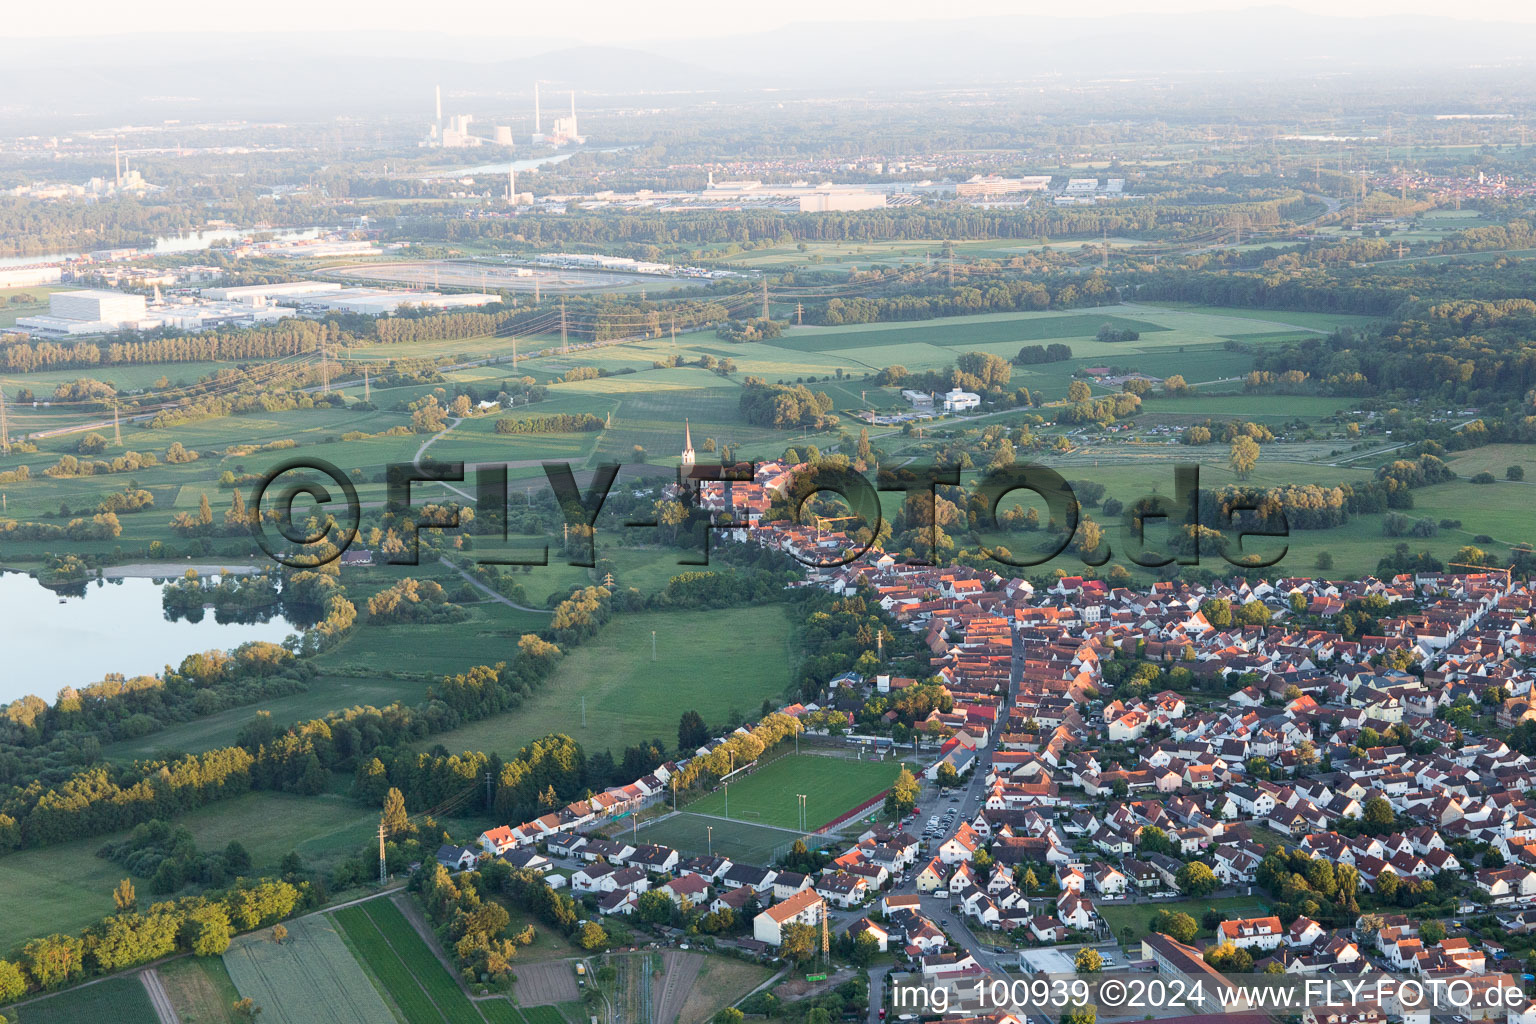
[{"x": 1112, "y": 757}]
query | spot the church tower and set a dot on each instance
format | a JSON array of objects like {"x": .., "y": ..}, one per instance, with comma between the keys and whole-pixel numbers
[{"x": 688, "y": 458}]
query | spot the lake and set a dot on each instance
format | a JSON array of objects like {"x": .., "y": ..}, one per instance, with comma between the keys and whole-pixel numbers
[{"x": 110, "y": 626}]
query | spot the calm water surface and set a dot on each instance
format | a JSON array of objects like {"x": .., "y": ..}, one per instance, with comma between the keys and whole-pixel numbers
[{"x": 104, "y": 626}]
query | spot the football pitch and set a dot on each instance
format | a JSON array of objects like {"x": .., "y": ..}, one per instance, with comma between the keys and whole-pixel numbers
[
  {"x": 694, "y": 835},
  {"x": 770, "y": 795}
]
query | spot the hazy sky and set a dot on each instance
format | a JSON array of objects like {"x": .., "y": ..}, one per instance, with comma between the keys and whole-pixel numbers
[{"x": 609, "y": 21}]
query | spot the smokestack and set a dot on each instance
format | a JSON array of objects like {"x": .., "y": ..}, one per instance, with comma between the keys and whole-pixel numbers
[
  {"x": 439, "y": 104},
  {"x": 117, "y": 166},
  {"x": 511, "y": 184},
  {"x": 536, "y": 130}
]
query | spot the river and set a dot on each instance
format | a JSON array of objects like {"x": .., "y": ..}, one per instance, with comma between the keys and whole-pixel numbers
[{"x": 54, "y": 640}]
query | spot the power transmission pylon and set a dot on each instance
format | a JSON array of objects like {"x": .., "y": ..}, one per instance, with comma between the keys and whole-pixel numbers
[
  {"x": 383, "y": 878},
  {"x": 563, "y": 345},
  {"x": 117, "y": 428},
  {"x": 5, "y": 434},
  {"x": 765, "y": 298},
  {"x": 799, "y": 314},
  {"x": 367, "y": 391}
]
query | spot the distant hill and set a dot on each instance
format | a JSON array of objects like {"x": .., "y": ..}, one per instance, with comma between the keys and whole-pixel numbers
[{"x": 326, "y": 75}]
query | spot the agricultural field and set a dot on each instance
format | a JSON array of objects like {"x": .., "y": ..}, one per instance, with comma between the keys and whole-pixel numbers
[
  {"x": 721, "y": 981},
  {"x": 60, "y": 888},
  {"x": 326, "y": 693},
  {"x": 487, "y": 636},
  {"x": 416, "y": 980},
  {"x": 200, "y": 989},
  {"x": 630, "y": 698},
  {"x": 121, "y": 1000},
  {"x": 312, "y": 978},
  {"x": 768, "y": 795},
  {"x": 322, "y": 829}
]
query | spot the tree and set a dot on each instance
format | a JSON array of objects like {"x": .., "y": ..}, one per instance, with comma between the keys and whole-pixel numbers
[
  {"x": 1229, "y": 958},
  {"x": 797, "y": 941},
  {"x": 1079, "y": 391},
  {"x": 1088, "y": 961},
  {"x": 692, "y": 733},
  {"x": 1514, "y": 473},
  {"x": 592, "y": 936},
  {"x": 236, "y": 860},
  {"x": 1431, "y": 932},
  {"x": 246, "y": 1009},
  {"x": 54, "y": 961},
  {"x": 1195, "y": 879},
  {"x": 654, "y": 907},
  {"x": 205, "y": 932},
  {"x": 396, "y": 820},
  {"x": 1154, "y": 840},
  {"x": 1081, "y": 1014},
  {"x": 1176, "y": 925},
  {"x": 948, "y": 778},
  {"x": 1378, "y": 812},
  {"x": 279, "y": 934},
  {"x": 730, "y": 1015},
  {"x": 903, "y": 795},
  {"x": 865, "y": 948},
  {"x": 1324, "y": 561},
  {"x": 123, "y": 897},
  {"x": 1243, "y": 456},
  {"x": 13, "y": 983},
  {"x": 1176, "y": 385}
]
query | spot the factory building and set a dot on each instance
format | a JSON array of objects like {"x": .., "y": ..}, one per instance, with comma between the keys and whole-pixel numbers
[
  {"x": 836, "y": 200},
  {"x": 97, "y": 311},
  {"x": 255, "y": 293},
  {"x": 27, "y": 277},
  {"x": 990, "y": 186},
  {"x": 97, "y": 304},
  {"x": 88, "y": 311}
]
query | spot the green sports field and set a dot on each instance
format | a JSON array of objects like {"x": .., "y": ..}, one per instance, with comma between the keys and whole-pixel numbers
[
  {"x": 832, "y": 786},
  {"x": 698, "y": 834}
]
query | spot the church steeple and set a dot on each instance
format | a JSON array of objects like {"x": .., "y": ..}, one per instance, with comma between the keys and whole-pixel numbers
[{"x": 688, "y": 457}]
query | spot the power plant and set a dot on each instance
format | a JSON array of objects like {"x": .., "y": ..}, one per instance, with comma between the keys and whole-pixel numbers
[
  {"x": 456, "y": 134},
  {"x": 564, "y": 130}
]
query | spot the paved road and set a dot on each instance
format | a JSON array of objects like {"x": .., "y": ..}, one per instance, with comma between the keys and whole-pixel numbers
[{"x": 488, "y": 592}]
